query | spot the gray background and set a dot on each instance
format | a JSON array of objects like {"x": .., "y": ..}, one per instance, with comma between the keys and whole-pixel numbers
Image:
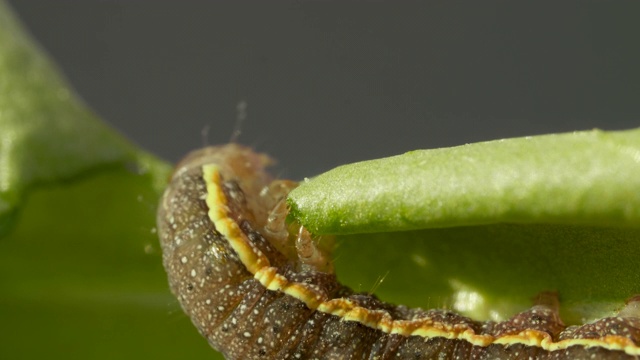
[{"x": 328, "y": 83}]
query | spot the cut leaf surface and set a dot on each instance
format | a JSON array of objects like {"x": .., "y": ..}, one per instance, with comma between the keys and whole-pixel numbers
[{"x": 493, "y": 271}]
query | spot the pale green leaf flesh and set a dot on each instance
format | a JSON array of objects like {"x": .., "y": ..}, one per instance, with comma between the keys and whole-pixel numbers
[{"x": 493, "y": 271}]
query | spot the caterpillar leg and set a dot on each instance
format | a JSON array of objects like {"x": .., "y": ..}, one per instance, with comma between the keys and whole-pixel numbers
[
  {"x": 625, "y": 327},
  {"x": 314, "y": 254},
  {"x": 276, "y": 228},
  {"x": 293, "y": 240},
  {"x": 631, "y": 308},
  {"x": 543, "y": 317}
]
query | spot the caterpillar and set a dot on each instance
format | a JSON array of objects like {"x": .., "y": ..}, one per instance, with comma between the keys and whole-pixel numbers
[{"x": 259, "y": 286}]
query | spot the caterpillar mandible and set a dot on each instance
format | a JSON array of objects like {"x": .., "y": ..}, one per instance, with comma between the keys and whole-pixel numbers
[{"x": 257, "y": 287}]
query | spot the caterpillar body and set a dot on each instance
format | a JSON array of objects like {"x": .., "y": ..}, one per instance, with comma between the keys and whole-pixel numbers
[{"x": 257, "y": 287}]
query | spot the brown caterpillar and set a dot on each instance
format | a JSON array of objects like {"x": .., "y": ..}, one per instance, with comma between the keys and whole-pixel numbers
[{"x": 259, "y": 288}]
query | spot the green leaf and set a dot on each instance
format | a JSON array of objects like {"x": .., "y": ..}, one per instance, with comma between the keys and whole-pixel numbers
[
  {"x": 501, "y": 221},
  {"x": 47, "y": 134},
  {"x": 80, "y": 267},
  {"x": 82, "y": 275},
  {"x": 583, "y": 178}
]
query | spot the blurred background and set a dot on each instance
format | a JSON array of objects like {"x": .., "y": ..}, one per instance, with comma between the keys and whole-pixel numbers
[{"x": 327, "y": 83}]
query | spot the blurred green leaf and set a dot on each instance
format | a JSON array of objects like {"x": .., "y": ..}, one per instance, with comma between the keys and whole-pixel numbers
[
  {"x": 485, "y": 227},
  {"x": 47, "y": 134},
  {"x": 80, "y": 269},
  {"x": 82, "y": 275}
]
